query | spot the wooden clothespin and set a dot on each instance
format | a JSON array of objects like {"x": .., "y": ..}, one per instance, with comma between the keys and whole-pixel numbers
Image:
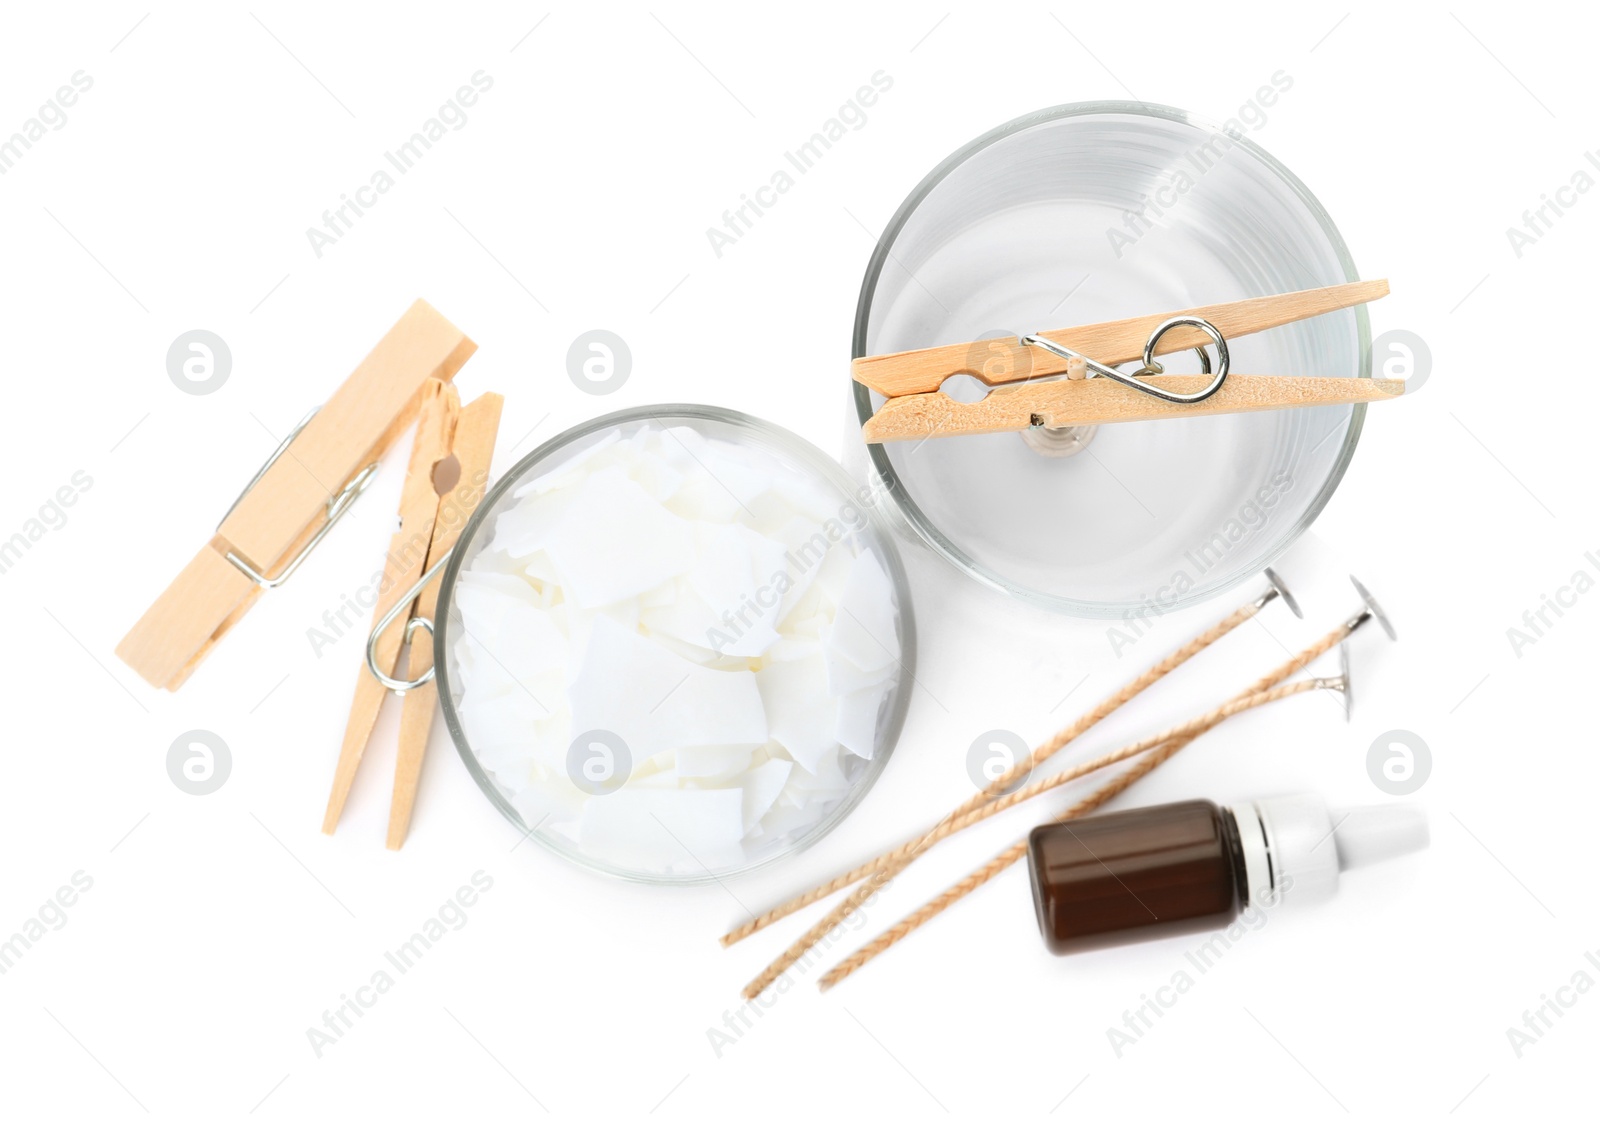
[
  {"x": 290, "y": 505},
  {"x": 445, "y": 480},
  {"x": 1023, "y": 395}
]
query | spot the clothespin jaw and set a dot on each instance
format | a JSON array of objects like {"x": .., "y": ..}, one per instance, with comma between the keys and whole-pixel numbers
[
  {"x": 290, "y": 505},
  {"x": 402, "y": 565},
  {"x": 446, "y": 478},
  {"x": 473, "y": 451},
  {"x": 1089, "y": 402}
]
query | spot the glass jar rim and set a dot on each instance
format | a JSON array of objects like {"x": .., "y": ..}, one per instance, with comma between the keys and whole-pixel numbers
[{"x": 884, "y": 249}]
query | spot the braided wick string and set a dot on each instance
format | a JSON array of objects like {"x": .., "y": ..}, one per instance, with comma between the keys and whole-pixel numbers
[
  {"x": 981, "y": 876},
  {"x": 1017, "y": 771},
  {"x": 902, "y": 860}
]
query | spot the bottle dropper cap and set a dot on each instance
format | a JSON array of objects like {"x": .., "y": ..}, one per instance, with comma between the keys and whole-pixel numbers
[
  {"x": 1294, "y": 848},
  {"x": 1367, "y": 834}
]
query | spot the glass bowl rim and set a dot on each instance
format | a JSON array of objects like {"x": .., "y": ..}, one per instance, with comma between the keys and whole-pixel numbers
[
  {"x": 891, "y": 482},
  {"x": 789, "y": 443}
]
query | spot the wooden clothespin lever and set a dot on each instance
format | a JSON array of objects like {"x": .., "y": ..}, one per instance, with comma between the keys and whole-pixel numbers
[
  {"x": 291, "y": 504},
  {"x": 1025, "y": 395},
  {"x": 445, "y": 480}
]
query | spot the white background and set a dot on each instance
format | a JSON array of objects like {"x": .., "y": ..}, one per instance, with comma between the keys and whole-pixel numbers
[{"x": 219, "y": 928}]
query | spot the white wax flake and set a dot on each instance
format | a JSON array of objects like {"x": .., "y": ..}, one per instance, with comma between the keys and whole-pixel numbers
[
  {"x": 858, "y": 720},
  {"x": 527, "y": 526},
  {"x": 863, "y": 632},
  {"x": 761, "y": 789},
  {"x": 713, "y": 763},
  {"x": 793, "y": 647},
  {"x": 683, "y": 616},
  {"x": 541, "y": 569},
  {"x": 486, "y": 676},
  {"x": 818, "y": 502},
  {"x": 614, "y": 540},
  {"x": 715, "y": 607},
  {"x": 660, "y": 478},
  {"x": 805, "y": 546},
  {"x": 507, "y": 629},
  {"x": 481, "y": 598},
  {"x": 505, "y": 720},
  {"x": 565, "y": 470},
  {"x": 801, "y": 712},
  {"x": 783, "y": 822},
  {"x": 548, "y": 803},
  {"x": 741, "y": 578},
  {"x": 656, "y": 701}
]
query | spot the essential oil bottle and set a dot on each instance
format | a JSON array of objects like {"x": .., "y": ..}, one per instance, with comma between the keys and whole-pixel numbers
[{"x": 1194, "y": 866}]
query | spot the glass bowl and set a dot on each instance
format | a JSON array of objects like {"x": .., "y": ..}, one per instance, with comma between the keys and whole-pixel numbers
[
  {"x": 867, "y": 531},
  {"x": 1038, "y": 225}
]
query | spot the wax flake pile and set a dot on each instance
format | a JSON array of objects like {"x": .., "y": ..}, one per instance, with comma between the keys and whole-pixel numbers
[{"x": 713, "y": 624}]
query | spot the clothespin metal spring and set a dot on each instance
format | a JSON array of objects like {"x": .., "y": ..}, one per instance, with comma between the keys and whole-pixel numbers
[
  {"x": 413, "y": 624},
  {"x": 1151, "y": 366},
  {"x": 338, "y": 505}
]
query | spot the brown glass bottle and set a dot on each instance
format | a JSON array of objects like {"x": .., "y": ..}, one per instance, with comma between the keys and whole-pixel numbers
[{"x": 1136, "y": 875}]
